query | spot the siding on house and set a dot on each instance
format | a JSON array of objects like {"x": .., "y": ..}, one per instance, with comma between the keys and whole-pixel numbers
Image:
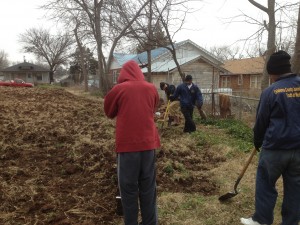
[
  {"x": 194, "y": 60},
  {"x": 204, "y": 75},
  {"x": 27, "y": 72},
  {"x": 245, "y": 75}
]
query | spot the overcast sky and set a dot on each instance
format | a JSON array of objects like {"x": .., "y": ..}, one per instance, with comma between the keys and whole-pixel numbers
[{"x": 206, "y": 27}]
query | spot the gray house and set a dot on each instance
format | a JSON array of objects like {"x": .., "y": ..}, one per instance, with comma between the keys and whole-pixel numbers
[
  {"x": 26, "y": 71},
  {"x": 193, "y": 59}
]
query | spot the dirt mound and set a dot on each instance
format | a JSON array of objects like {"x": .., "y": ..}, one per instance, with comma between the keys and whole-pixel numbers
[{"x": 57, "y": 164}]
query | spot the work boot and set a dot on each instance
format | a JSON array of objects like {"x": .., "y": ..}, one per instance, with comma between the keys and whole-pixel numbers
[{"x": 249, "y": 221}]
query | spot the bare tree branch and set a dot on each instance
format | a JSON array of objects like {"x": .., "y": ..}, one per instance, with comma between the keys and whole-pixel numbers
[{"x": 53, "y": 49}]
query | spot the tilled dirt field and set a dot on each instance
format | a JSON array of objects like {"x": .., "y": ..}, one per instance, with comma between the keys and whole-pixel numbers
[{"x": 57, "y": 164}]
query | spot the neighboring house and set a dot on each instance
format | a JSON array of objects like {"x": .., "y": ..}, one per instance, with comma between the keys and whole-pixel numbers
[
  {"x": 193, "y": 59},
  {"x": 244, "y": 74},
  {"x": 28, "y": 72}
]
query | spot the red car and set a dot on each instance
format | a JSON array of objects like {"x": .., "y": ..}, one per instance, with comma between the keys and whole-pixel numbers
[{"x": 16, "y": 83}]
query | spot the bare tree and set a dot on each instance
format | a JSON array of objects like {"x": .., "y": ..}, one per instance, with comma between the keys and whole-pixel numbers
[
  {"x": 82, "y": 51},
  {"x": 226, "y": 52},
  {"x": 53, "y": 49},
  {"x": 296, "y": 56},
  {"x": 271, "y": 28},
  {"x": 3, "y": 59},
  {"x": 278, "y": 32},
  {"x": 162, "y": 16},
  {"x": 150, "y": 37},
  {"x": 105, "y": 23},
  {"x": 165, "y": 17}
]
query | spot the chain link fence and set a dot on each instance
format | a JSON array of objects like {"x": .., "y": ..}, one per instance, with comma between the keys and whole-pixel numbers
[{"x": 223, "y": 103}]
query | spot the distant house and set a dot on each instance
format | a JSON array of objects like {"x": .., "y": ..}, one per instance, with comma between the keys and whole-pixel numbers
[
  {"x": 27, "y": 72},
  {"x": 193, "y": 59},
  {"x": 244, "y": 74}
]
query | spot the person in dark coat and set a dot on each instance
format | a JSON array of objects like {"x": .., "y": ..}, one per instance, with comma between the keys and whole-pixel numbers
[
  {"x": 174, "y": 107},
  {"x": 277, "y": 133},
  {"x": 189, "y": 95}
]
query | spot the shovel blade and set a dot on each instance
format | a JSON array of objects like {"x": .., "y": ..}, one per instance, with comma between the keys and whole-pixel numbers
[{"x": 227, "y": 196}]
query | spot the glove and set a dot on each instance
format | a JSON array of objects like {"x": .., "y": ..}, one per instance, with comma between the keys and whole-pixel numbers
[
  {"x": 257, "y": 145},
  {"x": 171, "y": 98}
]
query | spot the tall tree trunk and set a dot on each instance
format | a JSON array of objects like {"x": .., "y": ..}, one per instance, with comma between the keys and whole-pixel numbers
[
  {"x": 82, "y": 56},
  {"x": 271, "y": 47},
  {"x": 271, "y": 28},
  {"x": 98, "y": 35},
  {"x": 150, "y": 36},
  {"x": 296, "y": 57},
  {"x": 51, "y": 75}
]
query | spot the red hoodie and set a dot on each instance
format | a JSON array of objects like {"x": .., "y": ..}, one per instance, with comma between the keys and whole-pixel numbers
[{"x": 133, "y": 101}]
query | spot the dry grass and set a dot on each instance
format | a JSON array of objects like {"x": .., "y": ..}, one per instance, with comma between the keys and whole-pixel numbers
[
  {"x": 48, "y": 184},
  {"x": 196, "y": 209}
]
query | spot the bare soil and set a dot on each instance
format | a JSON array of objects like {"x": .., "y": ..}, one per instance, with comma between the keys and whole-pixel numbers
[{"x": 58, "y": 165}]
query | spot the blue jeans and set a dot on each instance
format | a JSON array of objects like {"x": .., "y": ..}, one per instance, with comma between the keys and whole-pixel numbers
[
  {"x": 273, "y": 164},
  {"x": 137, "y": 184}
]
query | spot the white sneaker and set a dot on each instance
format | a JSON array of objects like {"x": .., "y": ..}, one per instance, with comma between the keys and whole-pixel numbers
[{"x": 249, "y": 221}]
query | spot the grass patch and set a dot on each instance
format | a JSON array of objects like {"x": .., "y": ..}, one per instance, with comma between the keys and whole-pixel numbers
[
  {"x": 97, "y": 93},
  {"x": 48, "y": 86},
  {"x": 240, "y": 135}
]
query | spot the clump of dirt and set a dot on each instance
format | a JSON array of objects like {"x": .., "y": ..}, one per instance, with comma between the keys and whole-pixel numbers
[{"x": 57, "y": 160}]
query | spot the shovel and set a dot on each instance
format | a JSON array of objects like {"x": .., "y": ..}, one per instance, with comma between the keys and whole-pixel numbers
[
  {"x": 166, "y": 114},
  {"x": 235, "y": 192},
  {"x": 202, "y": 114}
]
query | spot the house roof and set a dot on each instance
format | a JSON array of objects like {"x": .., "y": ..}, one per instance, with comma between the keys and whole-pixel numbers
[
  {"x": 169, "y": 65},
  {"x": 122, "y": 58},
  {"x": 166, "y": 65},
  {"x": 25, "y": 66},
  {"x": 141, "y": 58},
  {"x": 158, "y": 52},
  {"x": 245, "y": 66}
]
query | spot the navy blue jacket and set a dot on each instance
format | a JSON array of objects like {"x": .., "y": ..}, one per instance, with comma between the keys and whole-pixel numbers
[
  {"x": 188, "y": 97},
  {"x": 277, "y": 124}
]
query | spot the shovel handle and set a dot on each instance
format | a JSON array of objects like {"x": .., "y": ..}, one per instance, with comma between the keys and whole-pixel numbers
[
  {"x": 244, "y": 169},
  {"x": 166, "y": 114}
]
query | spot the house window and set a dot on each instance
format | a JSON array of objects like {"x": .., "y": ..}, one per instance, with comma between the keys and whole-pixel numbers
[
  {"x": 115, "y": 76},
  {"x": 225, "y": 82},
  {"x": 39, "y": 77},
  {"x": 255, "y": 82},
  {"x": 240, "y": 79}
]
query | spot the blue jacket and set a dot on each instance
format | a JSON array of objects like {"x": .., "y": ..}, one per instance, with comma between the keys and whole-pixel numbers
[
  {"x": 188, "y": 97},
  {"x": 277, "y": 124}
]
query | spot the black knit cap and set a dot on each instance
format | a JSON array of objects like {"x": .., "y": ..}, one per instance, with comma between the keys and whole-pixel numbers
[
  {"x": 188, "y": 78},
  {"x": 279, "y": 63}
]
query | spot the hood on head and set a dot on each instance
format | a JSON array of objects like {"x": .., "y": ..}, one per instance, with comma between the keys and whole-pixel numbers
[{"x": 130, "y": 72}]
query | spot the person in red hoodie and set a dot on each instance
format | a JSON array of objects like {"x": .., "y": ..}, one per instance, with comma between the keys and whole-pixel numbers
[{"x": 133, "y": 101}]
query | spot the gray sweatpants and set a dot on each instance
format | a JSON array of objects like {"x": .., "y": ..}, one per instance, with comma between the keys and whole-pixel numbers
[{"x": 137, "y": 185}]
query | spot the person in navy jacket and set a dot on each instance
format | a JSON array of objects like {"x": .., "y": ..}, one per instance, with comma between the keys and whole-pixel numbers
[
  {"x": 277, "y": 133},
  {"x": 189, "y": 95}
]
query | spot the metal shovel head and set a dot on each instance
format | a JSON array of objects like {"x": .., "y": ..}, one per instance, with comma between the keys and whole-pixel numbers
[{"x": 227, "y": 196}]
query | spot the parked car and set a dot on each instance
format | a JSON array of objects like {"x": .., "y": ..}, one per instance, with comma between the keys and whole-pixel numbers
[{"x": 16, "y": 83}]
